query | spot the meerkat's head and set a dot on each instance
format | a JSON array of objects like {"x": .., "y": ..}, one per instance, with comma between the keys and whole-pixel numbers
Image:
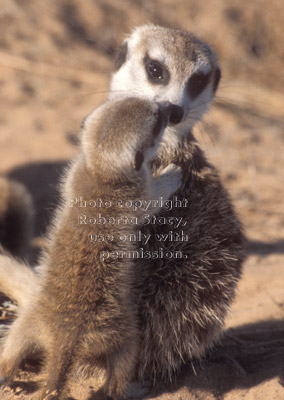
[
  {"x": 162, "y": 64},
  {"x": 122, "y": 135}
]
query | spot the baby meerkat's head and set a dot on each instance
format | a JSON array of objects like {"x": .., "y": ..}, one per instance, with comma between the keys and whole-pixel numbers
[
  {"x": 162, "y": 64},
  {"x": 122, "y": 135}
]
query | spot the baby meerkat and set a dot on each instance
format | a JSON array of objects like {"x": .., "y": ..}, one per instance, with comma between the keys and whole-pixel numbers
[{"x": 84, "y": 304}]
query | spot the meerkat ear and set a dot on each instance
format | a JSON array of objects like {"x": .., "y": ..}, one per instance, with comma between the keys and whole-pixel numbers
[
  {"x": 216, "y": 80},
  {"x": 121, "y": 55},
  {"x": 138, "y": 160}
]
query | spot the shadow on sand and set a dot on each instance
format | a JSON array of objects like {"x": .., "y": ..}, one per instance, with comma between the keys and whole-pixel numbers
[{"x": 245, "y": 357}]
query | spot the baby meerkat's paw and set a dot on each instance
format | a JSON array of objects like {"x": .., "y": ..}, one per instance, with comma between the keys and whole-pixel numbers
[
  {"x": 169, "y": 181},
  {"x": 174, "y": 172}
]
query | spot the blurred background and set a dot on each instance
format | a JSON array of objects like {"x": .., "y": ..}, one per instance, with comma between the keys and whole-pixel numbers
[{"x": 56, "y": 59}]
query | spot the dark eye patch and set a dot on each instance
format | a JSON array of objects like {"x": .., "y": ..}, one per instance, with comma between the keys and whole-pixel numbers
[
  {"x": 197, "y": 83},
  {"x": 121, "y": 56},
  {"x": 157, "y": 73}
]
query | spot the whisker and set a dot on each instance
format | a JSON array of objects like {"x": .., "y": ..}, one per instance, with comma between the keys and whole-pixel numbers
[
  {"x": 192, "y": 118},
  {"x": 203, "y": 133},
  {"x": 223, "y": 101},
  {"x": 101, "y": 92},
  {"x": 201, "y": 104}
]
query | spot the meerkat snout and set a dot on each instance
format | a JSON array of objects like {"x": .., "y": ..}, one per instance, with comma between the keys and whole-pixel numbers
[
  {"x": 167, "y": 113},
  {"x": 162, "y": 116},
  {"x": 176, "y": 114},
  {"x": 172, "y": 111}
]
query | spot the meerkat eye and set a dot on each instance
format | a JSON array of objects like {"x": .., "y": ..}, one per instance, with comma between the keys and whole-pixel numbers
[
  {"x": 157, "y": 73},
  {"x": 197, "y": 83},
  {"x": 155, "y": 70}
]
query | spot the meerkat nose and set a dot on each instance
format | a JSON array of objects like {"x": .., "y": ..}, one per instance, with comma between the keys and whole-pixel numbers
[
  {"x": 176, "y": 114},
  {"x": 173, "y": 112}
]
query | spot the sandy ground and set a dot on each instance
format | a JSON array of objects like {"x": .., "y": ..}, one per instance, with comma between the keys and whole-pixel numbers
[{"x": 56, "y": 58}]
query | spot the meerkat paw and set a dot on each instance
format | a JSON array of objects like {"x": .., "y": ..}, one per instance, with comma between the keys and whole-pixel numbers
[
  {"x": 173, "y": 170},
  {"x": 169, "y": 181}
]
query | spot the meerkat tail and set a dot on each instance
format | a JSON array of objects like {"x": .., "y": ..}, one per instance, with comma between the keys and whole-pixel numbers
[{"x": 17, "y": 280}]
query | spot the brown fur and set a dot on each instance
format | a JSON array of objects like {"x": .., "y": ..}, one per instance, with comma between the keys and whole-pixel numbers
[
  {"x": 182, "y": 303},
  {"x": 84, "y": 306}
]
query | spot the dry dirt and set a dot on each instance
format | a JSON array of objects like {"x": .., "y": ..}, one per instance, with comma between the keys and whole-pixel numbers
[{"x": 56, "y": 58}]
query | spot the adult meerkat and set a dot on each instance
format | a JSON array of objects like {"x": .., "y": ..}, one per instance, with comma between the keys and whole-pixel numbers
[
  {"x": 84, "y": 304},
  {"x": 16, "y": 217},
  {"x": 182, "y": 303}
]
